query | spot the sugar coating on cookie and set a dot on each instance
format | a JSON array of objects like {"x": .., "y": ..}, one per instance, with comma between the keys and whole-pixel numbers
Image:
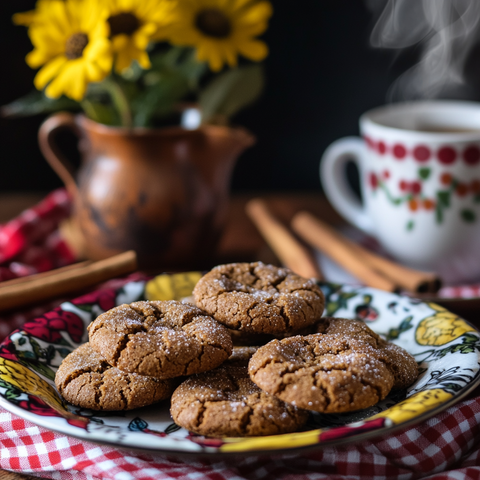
[
  {"x": 402, "y": 365},
  {"x": 322, "y": 372},
  {"x": 226, "y": 403},
  {"x": 85, "y": 379},
  {"x": 259, "y": 298},
  {"x": 163, "y": 339},
  {"x": 351, "y": 328}
]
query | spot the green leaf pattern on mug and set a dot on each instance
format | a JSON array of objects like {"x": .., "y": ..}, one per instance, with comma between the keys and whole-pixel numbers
[{"x": 414, "y": 198}]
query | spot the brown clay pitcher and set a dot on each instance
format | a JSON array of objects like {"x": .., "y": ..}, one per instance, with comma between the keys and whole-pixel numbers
[{"x": 161, "y": 192}]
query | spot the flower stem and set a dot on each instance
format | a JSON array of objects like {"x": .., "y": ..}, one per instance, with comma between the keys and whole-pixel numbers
[{"x": 120, "y": 101}]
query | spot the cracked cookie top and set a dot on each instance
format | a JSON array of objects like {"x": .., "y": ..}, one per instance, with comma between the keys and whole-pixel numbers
[
  {"x": 350, "y": 328},
  {"x": 85, "y": 379},
  {"x": 327, "y": 373},
  {"x": 402, "y": 365},
  {"x": 259, "y": 298},
  {"x": 226, "y": 403},
  {"x": 163, "y": 339}
]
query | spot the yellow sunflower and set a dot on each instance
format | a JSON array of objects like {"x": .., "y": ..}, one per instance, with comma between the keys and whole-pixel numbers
[
  {"x": 221, "y": 29},
  {"x": 132, "y": 25},
  {"x": 72, "y": 47}
]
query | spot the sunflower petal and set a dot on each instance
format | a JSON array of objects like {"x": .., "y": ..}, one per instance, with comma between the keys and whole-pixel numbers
[
  {"x": 144, "y": 60},
  {"x": 120, "y": 42},
  {"x": 93, "y": 72},
  {"x": 124, "y": 59},
  {"x": 229, "y": 53},
  {"x": 36, "y": 58},
  {"x": 250, "y": 29},
  {"x": 255, "y": 50},
  {"x": 70, "y": 81},
  {"x": 209, "y": 52},
  {"x": 25, "y": 18},
  {"x": 49, "y": 71},
  {"x": 256, "y": 13}
]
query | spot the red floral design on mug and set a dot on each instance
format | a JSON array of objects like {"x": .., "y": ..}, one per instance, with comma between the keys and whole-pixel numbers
[{"x": 411, "y": 194}]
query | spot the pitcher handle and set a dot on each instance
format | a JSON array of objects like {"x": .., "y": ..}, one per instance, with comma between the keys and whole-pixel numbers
[{"x": 49, "y": 148}]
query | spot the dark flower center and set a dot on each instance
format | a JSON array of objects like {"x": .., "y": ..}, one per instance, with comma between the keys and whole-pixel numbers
[
  {"x": 125, "y": 23},
  {"x": 214, "y": 23},
  {"x": 75, "y": 45}
]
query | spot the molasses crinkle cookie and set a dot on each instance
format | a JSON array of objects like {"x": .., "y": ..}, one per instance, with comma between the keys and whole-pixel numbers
[
  {"x": 259, "y": 298},
  {"x": 322, "y": 372},
  {"x": 85, "y": 379},
  {"x": 226, "y": 403},
  {"x": 162, "y": 339},
  {"x": 401, "y": 364}
]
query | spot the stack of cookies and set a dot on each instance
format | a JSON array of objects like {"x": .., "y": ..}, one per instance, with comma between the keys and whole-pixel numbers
[
  {"x": 296, "y": 360},
  {"x": 135, "y": 352}
]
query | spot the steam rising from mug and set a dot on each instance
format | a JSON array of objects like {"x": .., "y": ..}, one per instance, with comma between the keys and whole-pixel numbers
[{"x": 445, "y": 30}]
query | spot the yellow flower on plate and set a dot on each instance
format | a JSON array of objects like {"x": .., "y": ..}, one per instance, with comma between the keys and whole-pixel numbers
[
  {"x": 221, "y": 29},
  {"x": 441, "y": 328},
  {"x": 72, "y": 47},
  {"x": 132, "y": 25}
]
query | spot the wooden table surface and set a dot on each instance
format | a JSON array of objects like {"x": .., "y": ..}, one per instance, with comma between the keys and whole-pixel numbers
[{"x": 240, "y": 242}]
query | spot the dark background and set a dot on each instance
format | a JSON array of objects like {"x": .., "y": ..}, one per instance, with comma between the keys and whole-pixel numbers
[{"x": 321, "y": 75}]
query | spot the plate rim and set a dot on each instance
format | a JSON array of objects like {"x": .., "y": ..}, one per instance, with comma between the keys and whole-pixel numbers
[
  {"x": 210, "y": 452},
  {"x": 204, "y": 452}
]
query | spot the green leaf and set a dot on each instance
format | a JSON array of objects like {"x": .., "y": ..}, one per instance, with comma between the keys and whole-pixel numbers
[
  {"x": 443, "y": 198},
  {"x": 190, "y": 68},
  {"x": 424, "y": 173},
  {"x": 231, "y": 91},
  {"x": 410, "y": 225},
  {"x": 468, "y": 215},
  {"x": 36, "y": 103},
  {"x": 476, "y": 199},
  {"x": 160, "y": 98},
  {"x": 12, "y": 394},
  {"x": 5, "y": 384},
  {"x": 174, "y": 74},
  {"x": 99, "y": 112}
]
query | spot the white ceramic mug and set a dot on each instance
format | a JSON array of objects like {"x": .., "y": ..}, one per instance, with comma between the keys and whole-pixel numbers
[{"x": 419, "y": 166}]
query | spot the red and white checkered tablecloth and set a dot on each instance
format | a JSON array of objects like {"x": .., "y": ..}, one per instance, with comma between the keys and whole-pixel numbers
[{"x": 447, "y": 446}]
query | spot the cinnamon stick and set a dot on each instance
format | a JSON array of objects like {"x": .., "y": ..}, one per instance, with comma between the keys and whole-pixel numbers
[
  {"x": 286, "y": 247},
  {"x": 55, "y": 283},
  {"x": 38, "y": 276},
  {"x": 327, "y": 239}
]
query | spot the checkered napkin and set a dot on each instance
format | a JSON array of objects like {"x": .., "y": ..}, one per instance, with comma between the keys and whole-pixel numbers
[
  {"x": 31, "y": 243},
  {"x": 445, "y": 447}
]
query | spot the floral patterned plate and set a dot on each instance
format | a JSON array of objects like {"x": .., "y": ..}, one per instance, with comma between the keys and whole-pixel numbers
[{"x": 446, "y": 347}]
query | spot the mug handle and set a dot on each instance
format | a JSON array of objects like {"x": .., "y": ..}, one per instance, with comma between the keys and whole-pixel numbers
[
  {"x": 46, "y": 140},
  {"x": 334, "y": 180}
]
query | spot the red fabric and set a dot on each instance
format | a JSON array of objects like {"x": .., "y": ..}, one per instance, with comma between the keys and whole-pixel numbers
[
  {"x": 30, "y": 243},
  {"x": 446, "y": 447}
]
